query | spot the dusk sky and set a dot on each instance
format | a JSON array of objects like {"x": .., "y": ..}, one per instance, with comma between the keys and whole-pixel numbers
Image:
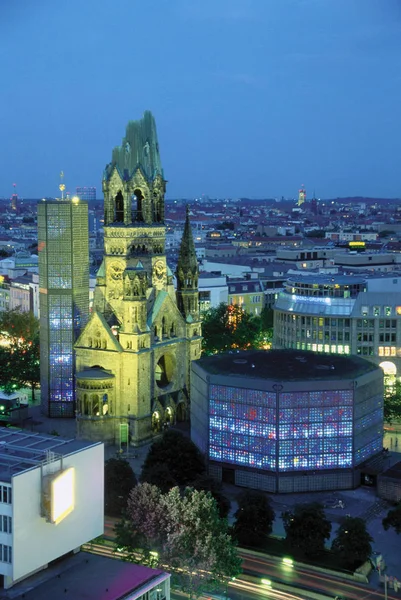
[{"x": 251, "y": 97}]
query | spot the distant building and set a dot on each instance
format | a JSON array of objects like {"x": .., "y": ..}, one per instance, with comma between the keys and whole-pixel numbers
[
  {"x": 287, "y": 421},
  {"x": 213, "y": 290},
  {"x": 247, "y": 292},
  {"x": 64, "y": 298},
  {"x": 342, "y": 315},
  {"x": 86, "y": 193},
  {"x": 51, "y": 500}
]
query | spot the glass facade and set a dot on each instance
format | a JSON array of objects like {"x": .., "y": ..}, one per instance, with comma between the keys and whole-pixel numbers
[
  {"x": 64, "y": 298},
  {"x": 297, "y": 431}
]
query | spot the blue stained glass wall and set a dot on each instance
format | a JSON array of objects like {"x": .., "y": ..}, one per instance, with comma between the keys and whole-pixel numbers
[
  {"x": 304, "y": 431},
  {"x": 63, "y": 247}
]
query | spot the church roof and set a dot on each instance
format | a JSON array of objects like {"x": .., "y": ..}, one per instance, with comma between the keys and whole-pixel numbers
[
  {"x": 139, "y": 150},
  {"x": 160, "y": 298},
  {"x": 94, "y": 374},
  {"x": 101, "y": 271}
]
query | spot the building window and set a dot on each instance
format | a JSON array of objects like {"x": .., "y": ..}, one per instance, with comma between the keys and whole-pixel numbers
[
  {"x": 398, "y": 310},
  {"x": 376, "y": 311},
  {"x": 365, "y": 311},
  {"x": 387, "y": 311},
  {"x": 5, "y": 553},
  {"x": 5, "y": 494},
  {"x": 5, "y": 524}
]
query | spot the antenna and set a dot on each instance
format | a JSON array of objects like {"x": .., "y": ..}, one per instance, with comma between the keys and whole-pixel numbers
[{"x": 61, "y": 187}]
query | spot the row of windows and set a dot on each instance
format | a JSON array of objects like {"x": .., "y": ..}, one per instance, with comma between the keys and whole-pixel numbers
[
  {"x": 5, "y": 494},
  {"x": 326, "y": 348},
  {"x": 5, "y": 524},
  {"x": 285, "y": 463},
  {"x": 6, "y": 553},
  {"x": 315, "y": 321},
  {"x": 377, "y": 311},
  {"x": 335, "y": 322}
]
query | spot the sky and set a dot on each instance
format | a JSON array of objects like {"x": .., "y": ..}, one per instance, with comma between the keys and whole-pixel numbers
[{"x": 252, "y": 98}]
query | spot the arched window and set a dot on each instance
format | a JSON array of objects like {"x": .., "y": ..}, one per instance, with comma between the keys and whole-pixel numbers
[
  {"x": 95, "y": 406},
  {"x": 137, "y": 215},
  {"x": 164, "y": 328},
  {"x": 119, "y": 207}
]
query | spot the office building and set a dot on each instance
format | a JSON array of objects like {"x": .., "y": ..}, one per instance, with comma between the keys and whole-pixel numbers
[
  {"x": 285, "y": 421},
  {"x": 63, "y": 297},
  {"x": 51, "y": 500},
  {"x": 86, "y": 193},
  {"x": 342, "y": 315}
]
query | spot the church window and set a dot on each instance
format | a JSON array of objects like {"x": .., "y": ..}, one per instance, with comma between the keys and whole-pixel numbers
[
  {"x": 90, "y": 342},
  {"x": 137, "y": 213},
  {"x": 95, "y": 406},
  {"x": 85, "y": 407},
  {"x": 119, "y": 207},
  {"x": 172, "y": 330},
  {"x": 164, "y": 328}
]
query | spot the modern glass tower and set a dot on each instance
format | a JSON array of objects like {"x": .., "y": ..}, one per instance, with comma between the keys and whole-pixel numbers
[{"x": 63, "y": 248}]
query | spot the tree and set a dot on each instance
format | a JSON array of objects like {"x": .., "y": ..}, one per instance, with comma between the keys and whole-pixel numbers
[
  {"x": 392, "y": 402},
  {"x": 20, "y": 353},
  {"x": 178, "y": 453},
  {"x": 199, "y": 549},
  {"x": 181, "y": 531},
  {"x": 393, "y": 519},
  {"x": 254, "y": 519},
  {"x": 228, "y": 327},
  {"x": 207, "y": 483},
  {"x": 19, "y": 325},
  {"x": 307, "y": 528},
  {"x": 119, "y": 480},
  {"x": 353, "y": 542}
]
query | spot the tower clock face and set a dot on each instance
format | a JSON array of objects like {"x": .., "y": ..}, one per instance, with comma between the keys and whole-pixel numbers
[
  {"x": 115, "y": 270},
  {"x": 159, "y": 269}
]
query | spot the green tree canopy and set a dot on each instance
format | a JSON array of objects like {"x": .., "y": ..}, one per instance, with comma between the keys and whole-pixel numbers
[
  {"x": 254, "y": 519},
  {"x": 307, "y": 528},
  {"x": 392, "y": 402},
  {"x": 353, "y": 542},
  {"x": 393, "y": 519},
  {"x": 20, "y": 353},
  {"x": 227, "y": 327},
  {"x": 181, "y": 531},
  {"x": 119, "y": 480},
  {"x": 178, "y": 453},
  {"x": 207, "y": 483}
]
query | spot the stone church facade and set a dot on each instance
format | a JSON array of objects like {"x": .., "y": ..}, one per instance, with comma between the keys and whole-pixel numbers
[{"x": 133, "y": 357}]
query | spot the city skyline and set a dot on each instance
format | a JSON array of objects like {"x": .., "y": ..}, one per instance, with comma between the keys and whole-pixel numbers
[{"x": 252, "y": 98}]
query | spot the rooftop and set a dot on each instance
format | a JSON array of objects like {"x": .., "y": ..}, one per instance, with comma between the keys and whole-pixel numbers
[
  {"x": 286, "y": 365},
  {"x": 87, "y": 576},
  {"x": 21, "y": 450}
]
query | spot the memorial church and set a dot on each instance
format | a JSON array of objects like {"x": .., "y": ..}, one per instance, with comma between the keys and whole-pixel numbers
[{"x": 134, "y": 355}]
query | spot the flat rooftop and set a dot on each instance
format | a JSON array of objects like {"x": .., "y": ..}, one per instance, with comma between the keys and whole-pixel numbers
[
  {"x": 86, "y": 576},
  {"x": 286, "y": 365},
  {"x": 21, "y": 450}
]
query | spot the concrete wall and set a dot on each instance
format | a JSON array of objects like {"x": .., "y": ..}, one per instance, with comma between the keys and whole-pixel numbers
[{"x": 36, "y": 542}]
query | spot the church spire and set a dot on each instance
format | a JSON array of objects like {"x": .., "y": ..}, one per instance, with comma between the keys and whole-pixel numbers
[
  {"x": 187, "y": 261},
  {"x": 187, "y": 273}
]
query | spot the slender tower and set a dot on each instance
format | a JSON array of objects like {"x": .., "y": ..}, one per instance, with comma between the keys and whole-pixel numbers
[{"x": 63, "y": 247}]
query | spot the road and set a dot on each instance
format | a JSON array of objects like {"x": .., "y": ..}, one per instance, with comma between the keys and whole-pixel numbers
[{"x": 257, "y": 566}]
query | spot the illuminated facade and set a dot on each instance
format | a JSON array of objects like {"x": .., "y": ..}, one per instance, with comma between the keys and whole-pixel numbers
[
  {"x": 133, "y": 357},
  {"x": 342, "y": 315},
  {"x": 63, "y": 298},
  {"x": 285, "y": 421}
]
